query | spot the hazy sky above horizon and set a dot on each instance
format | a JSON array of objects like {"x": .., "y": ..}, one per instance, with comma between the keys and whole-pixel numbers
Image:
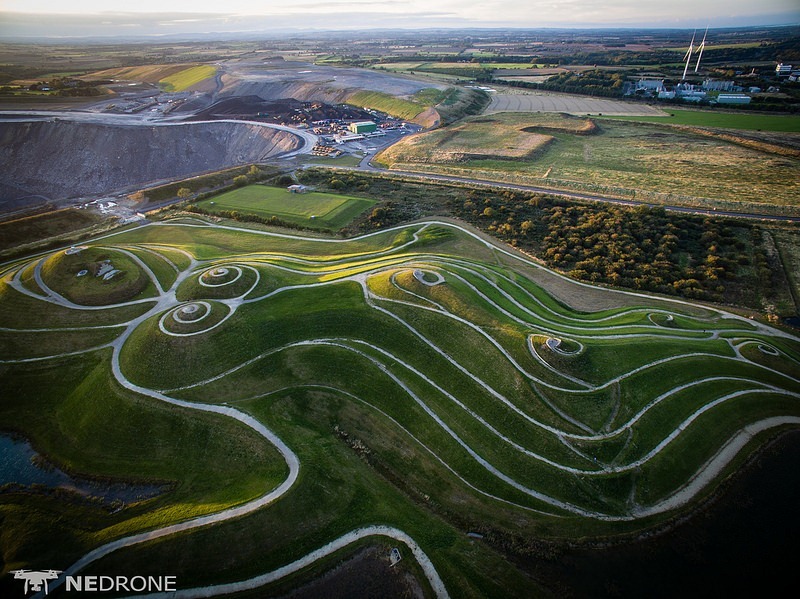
[{"x": 107, "y": 17}]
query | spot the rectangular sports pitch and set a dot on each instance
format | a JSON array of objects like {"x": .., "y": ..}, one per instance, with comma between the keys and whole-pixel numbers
[{"x": 329, "y": 211}]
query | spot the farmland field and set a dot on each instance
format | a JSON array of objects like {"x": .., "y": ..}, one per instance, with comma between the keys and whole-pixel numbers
[
  {"x": 399, "y": 107},
  {"x": 306, "y": 395},
  {"x": 173, "y": 78},
  {"x": 571, "y": 104},
  {"x": 183, "y": 80},
  {"x": 311, "y": 209}
]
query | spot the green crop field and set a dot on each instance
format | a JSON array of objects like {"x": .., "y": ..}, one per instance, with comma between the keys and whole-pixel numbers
[
  {"x": 311, "y": 209},
  {"x": 399, "y": 107},
  {"x": 297, "y": 399},
  {"x": 183, "y": 80},
  {"x": 617, "y": 158},
  {"x": 722, "y": 120}
]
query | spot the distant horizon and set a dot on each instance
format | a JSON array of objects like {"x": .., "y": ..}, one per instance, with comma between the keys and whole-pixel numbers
[
  {"x": 148, "y": 20},
  {"x": 10, "y": 33}
]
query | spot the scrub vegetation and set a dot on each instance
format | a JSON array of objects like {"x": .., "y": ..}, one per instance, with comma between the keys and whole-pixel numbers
[{"x": 638, "y": 161}]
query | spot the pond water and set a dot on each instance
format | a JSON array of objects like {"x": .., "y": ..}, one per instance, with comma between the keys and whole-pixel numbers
[
  {"x": 741, "y": 544},
  {"x": 21, "y": 465}
]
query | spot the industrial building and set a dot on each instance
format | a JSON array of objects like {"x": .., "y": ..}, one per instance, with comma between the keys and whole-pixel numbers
[
  {"x": 733, "y": 99},
  {"x": 344, "y": 138},
  {"x": 362, "y": 127},
  {"x": 650, "y": 85},
  {"x": 721, "y": 86}
]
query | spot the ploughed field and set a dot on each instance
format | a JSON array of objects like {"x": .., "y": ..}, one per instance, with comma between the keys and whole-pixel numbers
[{"x": 301, "y": 395}]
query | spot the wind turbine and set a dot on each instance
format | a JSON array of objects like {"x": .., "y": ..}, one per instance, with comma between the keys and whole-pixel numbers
[
  {"x": 688, "y": 56},
  {"x": 700, "y": 50}
]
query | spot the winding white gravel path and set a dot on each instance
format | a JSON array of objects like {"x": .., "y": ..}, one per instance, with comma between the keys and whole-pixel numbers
[
  {"x": 394, "y": 258},
  {"x": 361, "y": 533}
]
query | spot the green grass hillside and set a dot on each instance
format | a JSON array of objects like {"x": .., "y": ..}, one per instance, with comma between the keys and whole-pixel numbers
[{"x": 300, "y": 390}]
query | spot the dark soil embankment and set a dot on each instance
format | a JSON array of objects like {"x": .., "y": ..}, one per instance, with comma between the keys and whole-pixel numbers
[
  {"x": 67, "y": 159},
  {"x": 285, "y": 111}
]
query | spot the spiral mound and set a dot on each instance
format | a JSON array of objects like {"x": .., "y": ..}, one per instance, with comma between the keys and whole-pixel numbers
[
  {"x": 192, "y": 318},
  {"x": 220, "y": 276},
  {"x": 428, "y": 277}
]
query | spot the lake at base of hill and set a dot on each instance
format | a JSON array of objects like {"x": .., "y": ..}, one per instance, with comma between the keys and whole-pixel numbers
[{"x": 22, "y": 468}]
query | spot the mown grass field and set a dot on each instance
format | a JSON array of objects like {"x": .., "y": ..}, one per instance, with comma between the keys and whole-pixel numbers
[
  {"x": 315, "y": 210},
  {"x": 410, "y": 373},
  {"x": 621, "y": 159}
]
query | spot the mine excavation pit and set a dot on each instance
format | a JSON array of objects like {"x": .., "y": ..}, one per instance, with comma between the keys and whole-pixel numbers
[{"x": 68, "y": 159}]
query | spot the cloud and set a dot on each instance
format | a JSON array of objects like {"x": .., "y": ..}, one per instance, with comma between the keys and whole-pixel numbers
[{"x": 204, "y": 16}]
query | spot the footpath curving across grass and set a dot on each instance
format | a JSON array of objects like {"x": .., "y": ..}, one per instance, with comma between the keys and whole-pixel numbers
[{"x": 313, "y": 209}]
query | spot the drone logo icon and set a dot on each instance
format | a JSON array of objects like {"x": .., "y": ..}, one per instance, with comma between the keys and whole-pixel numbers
[{"x": 34, "y": 579}]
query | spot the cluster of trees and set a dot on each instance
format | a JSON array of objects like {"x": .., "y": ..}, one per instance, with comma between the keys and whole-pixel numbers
[
  {"x": 788, "y": 50},
  {"x": 595, "y": 83},
  {"x": 385, "y": 215},
  {"x": 67, "y": 86},
  {"x": 640, "y": 248},
  {"x": 643, "y": 248}
]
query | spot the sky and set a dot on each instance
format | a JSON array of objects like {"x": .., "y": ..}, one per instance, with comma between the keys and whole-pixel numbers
[{"x": 153, "y": 17}]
